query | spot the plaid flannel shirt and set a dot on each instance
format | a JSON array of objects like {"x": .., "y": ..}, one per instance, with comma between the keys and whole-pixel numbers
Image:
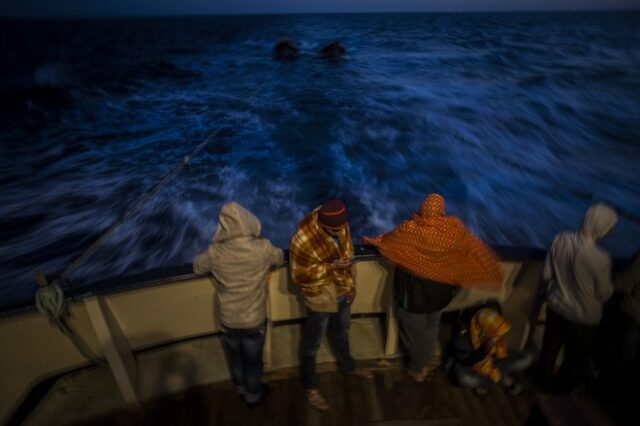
[{"x": 311, "y": 251}]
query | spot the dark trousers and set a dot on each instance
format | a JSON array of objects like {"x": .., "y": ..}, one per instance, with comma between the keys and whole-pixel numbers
[
  {"x": 622, "y": 362},
  {"x": 577, "y": 340},
  {"x": 419, "y": 334},
  {"x": 244, "y": 350},
  {"x": 313, "y": 333}
]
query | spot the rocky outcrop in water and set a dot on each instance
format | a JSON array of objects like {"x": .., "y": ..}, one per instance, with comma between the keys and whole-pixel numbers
[
  {"x": 333, "y": 51},
  {"x": 285, "y": 50}
]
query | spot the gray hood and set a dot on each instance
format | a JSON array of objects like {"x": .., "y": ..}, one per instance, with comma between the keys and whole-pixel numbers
[
  {"x": 598, "y": 221},
  {"x": 579, "y": 270},
  {"x": 236, "y": 221}
]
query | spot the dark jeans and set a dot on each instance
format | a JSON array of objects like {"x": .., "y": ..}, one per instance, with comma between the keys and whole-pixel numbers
[
  {"x": 313, "y": 333},
  {"x": 621, "y": 365},
  {"x": 516, "y": 361},
  {"x": 577, "y": 340},
  {"x": 244, "y": 350}
]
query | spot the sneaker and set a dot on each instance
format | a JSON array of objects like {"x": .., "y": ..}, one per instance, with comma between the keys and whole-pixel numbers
[
  {"x": 239, "y": 389},
  {"x": 265, "y": 392},
  {"x": 365, "y": 373},
  {"x": 316, "y": 400}
]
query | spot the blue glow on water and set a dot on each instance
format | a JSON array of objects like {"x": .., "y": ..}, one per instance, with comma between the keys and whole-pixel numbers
[{"x": 520, "y": 120}]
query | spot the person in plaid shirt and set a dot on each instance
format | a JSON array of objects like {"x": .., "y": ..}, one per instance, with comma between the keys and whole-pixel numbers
[{"x": 321, "y": 258}]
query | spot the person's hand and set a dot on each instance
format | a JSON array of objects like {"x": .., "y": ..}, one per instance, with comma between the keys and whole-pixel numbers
[
  {"x": 366, "y": 241},
  {"x": 340, "y": 264},
  {"x": 350, "y": 296}
]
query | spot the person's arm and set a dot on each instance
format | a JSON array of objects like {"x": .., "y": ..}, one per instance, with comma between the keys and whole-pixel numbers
[
  {"x": 370, "y": 241},
  {"x": 547, "y": 269},
  {"x": 202, "y": 263},
  {"x": 376, "y": 241},
  {"x": 275, "y": 255},
  {"x": 544, "y": 280},
  {"x": 305, "y": 269},
  {"x": 601, "y": 269}
]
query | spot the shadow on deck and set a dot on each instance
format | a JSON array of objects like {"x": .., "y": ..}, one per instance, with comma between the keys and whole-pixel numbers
[{"x": 390, "y": 399}]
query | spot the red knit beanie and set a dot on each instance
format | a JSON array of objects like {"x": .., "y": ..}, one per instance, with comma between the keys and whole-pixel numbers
[{"x": 333, "y": 214}]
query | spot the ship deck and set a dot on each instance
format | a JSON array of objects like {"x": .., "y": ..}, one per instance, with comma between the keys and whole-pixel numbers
[
  {"x": 185, "y": 381},
  {"x": 390, "y": 399}
]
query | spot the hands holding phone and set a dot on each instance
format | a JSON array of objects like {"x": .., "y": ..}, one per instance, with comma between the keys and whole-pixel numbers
[
  {"x": 344, "y": 264},
  {"x": 341, "y": 263}
]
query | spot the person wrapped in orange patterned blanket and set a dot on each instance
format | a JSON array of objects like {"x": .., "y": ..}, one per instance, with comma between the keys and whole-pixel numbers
[{"x": 434, "y": 255}]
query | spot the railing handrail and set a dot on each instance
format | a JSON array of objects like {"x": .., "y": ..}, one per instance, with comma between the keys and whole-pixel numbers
[{"x": 167, "y": 275}]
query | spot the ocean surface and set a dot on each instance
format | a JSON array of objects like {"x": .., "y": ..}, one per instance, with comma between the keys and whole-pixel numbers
[{"x": 521, "y": 121}]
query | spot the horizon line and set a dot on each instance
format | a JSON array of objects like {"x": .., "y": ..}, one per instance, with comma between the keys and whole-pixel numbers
[{"x": 205, "y": 15}]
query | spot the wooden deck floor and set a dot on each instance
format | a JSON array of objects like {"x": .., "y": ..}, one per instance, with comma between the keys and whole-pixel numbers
[{"x": 391, "y": 399}]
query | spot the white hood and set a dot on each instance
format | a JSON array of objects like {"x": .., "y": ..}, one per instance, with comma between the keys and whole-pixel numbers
[{"x": 235, "y": 222}]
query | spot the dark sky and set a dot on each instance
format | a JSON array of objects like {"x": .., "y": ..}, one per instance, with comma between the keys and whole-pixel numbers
[{"x": 175, "y": 7}]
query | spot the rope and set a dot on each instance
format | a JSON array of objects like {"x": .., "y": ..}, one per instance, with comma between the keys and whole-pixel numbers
[{"x": 50, "y": 301}]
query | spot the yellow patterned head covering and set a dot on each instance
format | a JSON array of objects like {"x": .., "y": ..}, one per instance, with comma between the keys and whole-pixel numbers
[{"x": 487, "y": 329}]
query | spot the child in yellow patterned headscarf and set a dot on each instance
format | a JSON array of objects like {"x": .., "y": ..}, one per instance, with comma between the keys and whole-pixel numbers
[{"x": 486, "y": 330}]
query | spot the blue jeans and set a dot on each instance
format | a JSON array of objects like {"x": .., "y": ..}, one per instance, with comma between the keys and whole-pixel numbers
[
  {"x": 313, "y": 333},
  {"x": 515, "y": 362},
  {"x": 244, "y": 352}
]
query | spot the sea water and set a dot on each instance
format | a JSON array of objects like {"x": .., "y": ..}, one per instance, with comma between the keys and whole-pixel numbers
[{"x": 521, "y": 121}]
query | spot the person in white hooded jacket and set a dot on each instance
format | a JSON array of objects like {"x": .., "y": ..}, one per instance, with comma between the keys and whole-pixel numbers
[
  {"x": 578, "y": 277},
  {"x": 239, "y": 262}
]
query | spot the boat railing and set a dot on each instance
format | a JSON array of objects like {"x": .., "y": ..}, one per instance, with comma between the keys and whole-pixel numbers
[
  {"x": 155, "y": 309},
  {"x": 75, "y": 292}
]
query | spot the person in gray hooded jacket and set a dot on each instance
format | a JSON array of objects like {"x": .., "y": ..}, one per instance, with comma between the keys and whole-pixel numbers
[
  {"x": 578, "y": 277},
  {"x": 239, "y": 262}
]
